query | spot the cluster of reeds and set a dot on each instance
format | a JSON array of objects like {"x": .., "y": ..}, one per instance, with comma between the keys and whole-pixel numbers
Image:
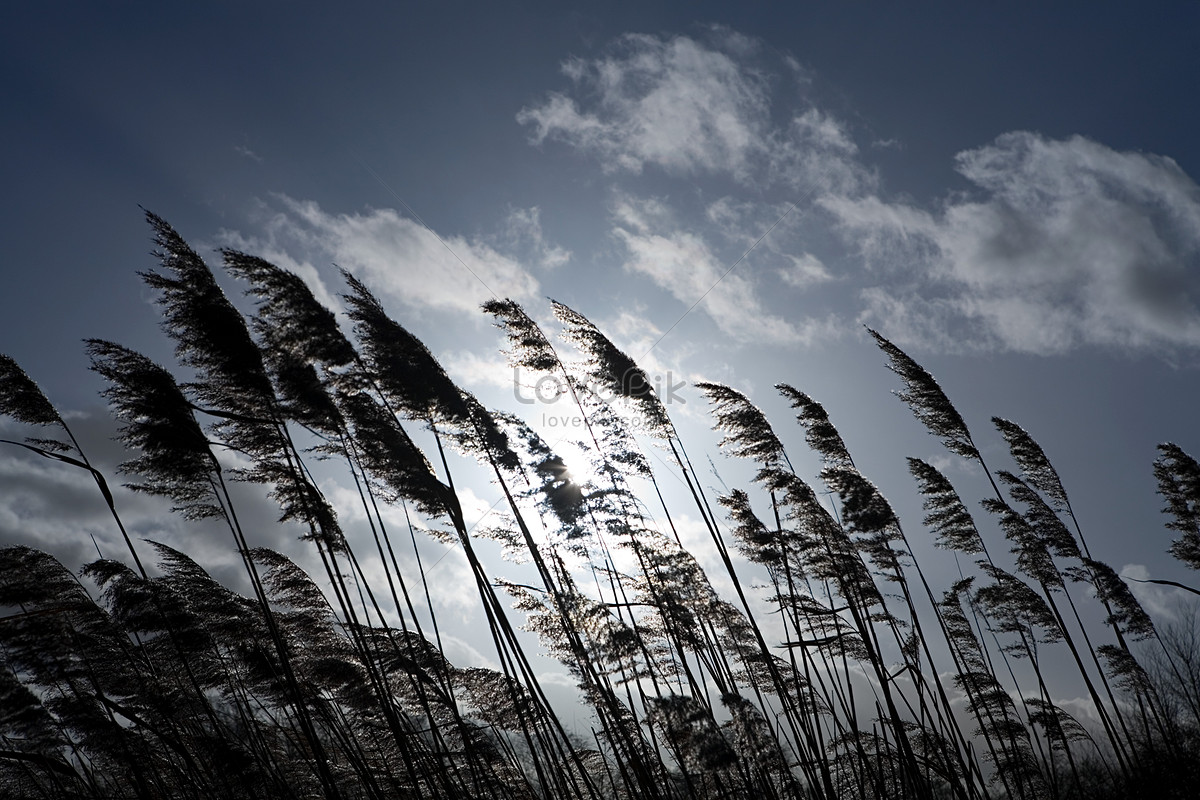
[{"x": 860, "y": 680}]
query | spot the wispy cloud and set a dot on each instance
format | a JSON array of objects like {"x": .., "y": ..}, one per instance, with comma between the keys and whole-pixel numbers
[
  {"x": 804, "y": 270},
  {"x": 696, "y": 107},
  {"x": 1059, "y": 244},
  {"x": 726, "y": 106},
  {"x": 242, "y": 150},
  {"x": 682, "y": 262},
  {"x": 1065, "y": 243},
  {"x": 399, "y": 257},
  {"x": 1160, "y": 601},
  {"x": 523, "y": 235},
  {"x": 469, "y": 369}
]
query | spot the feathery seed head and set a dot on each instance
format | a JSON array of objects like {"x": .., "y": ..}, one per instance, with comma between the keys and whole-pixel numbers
[
  {"x": 615, "y": 371},
  {"x": 928, "y": 402},
  {"x": 175, "y": 459},
  {"x": 529, "y": 347},
  {"x": 946, "y": 514},
  {"x": 1178, "y": 477},
  {"x": 819, "y": 432},
  {"x": 287, "y": 308},
  {"x": 20, "y": 397},
  {"x": 747, "y": 432},
  {"x": 210, "y": 334}
]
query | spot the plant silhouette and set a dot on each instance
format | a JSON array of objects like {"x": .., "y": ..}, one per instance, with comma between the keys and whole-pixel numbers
[{"x": 834, "y": 668}]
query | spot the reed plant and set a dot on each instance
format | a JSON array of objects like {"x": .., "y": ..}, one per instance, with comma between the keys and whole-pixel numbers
[{"x": 836, "y": 668}]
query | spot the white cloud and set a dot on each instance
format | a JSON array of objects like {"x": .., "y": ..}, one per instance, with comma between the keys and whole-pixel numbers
[
  {"x": 1161, "y": 602},
  {"x": 682, "y": 262},
  {"x": 1083, "y": 710},
  {"x": 691, "y": 107},
  {"x": 464, "y": 654},
  {"x": 1070, "y": 243},
  {"x": 242, "y": 150},
  {"x": 467, "y": 368},
  {"x": 734, "y": 218},
  {"x": 55, "y": 508},
  {"x": 523, "y": 233},
  {"x": 633, "y": 329},
  {"x": 396, "y": 256},
  {"x": 478, "y": 511},
  {"x": 805, "y": 270},
  {"x": 674, "y": 103}
]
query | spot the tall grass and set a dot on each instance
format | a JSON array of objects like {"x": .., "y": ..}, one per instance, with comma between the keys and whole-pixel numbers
[{"x": 834, "y": 669}]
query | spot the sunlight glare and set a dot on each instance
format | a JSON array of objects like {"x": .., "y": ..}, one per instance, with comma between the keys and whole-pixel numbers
[{"x": 579, "y": 464}]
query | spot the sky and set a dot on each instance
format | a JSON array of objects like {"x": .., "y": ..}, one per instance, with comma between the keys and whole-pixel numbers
[{"x": 732, "y": 194}]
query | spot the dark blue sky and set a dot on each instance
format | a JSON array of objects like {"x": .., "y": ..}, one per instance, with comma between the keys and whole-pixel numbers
[{"x": 108, "y": 107}]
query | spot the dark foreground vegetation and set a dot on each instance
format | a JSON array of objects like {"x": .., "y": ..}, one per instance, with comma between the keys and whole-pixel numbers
[{"x": 143, "y": 677}]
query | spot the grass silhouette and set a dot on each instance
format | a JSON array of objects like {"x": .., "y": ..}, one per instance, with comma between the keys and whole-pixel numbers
[{"x": 129, "y": 681}]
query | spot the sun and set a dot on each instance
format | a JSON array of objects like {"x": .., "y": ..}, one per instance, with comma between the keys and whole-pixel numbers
[{"x": 579, "y": 463}]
